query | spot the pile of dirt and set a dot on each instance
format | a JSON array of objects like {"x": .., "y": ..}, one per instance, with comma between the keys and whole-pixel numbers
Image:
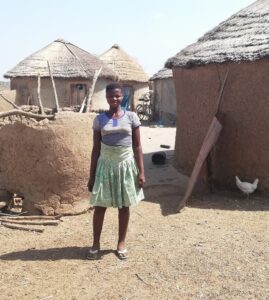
[{"x": 47, "y": 162}]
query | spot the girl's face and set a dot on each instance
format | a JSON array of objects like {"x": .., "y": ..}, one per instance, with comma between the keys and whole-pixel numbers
[{"x": 114, "y": 98}]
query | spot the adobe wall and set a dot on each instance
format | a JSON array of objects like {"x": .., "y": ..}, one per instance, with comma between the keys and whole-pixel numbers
[
  {"x": 243, "y": 146},
  {"x": 165, "y": 101},
  {"x": 47, "y": 162},
  {"x": 27, "y": 86}
]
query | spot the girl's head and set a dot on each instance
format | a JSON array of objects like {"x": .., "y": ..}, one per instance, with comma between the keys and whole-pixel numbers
[{"x": 114, "y": 94}]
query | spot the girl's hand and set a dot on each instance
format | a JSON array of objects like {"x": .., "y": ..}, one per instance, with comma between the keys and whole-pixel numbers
[
  {"x": 141, "y": 180},
  {"x": 90, "y": 184}
]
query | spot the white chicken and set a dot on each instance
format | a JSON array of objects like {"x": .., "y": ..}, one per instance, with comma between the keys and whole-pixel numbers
[{"x": 246, "y": 187}]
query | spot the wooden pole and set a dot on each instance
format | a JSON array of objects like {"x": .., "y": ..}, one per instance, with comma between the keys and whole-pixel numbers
[
  {"x": 10, "y": 102},
  {"x": 31, "y": 222},
  {"x": 91, "y": 89},
  {"x": 39, "y": 95},
  {"x": 54, "y": 88},
  {"x": 41, "y": 217},
  {"x": 13, "y": 226},
  {"x": 83, "y": 104},
  {"x": 208, "y": 143}
]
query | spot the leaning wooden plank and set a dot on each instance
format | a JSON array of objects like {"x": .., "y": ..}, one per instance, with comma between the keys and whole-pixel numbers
[
  {"x": 91, "y": 90},
  {"x": 54, "y": 88},
  {"x": 10, "y": 102},
  {"x": 12, "y": 226},
  {"x": 31, "y": 222},
  {"x": 26, "y": 114},
  {"x": 209, "y": 141}
]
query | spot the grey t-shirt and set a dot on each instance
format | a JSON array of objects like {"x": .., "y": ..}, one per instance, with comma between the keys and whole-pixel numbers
[{"x": 116, "y": 132}]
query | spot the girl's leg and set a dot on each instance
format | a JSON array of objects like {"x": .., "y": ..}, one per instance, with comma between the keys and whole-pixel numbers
[
  {"x": 124, "y": 215},
  {"x": 98, "y": 220}
]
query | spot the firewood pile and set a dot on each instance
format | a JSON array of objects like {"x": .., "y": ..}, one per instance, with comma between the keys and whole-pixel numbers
[{"x": 12, "y": 217}]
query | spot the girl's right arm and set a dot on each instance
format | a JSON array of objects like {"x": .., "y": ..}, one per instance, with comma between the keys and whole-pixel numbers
[{"x": 94, "y": 157}]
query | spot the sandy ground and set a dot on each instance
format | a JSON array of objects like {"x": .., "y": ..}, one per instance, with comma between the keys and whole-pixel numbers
[{"x": 217, "y": 248}]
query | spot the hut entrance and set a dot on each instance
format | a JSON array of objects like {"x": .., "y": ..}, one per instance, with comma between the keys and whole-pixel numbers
[
  {"x": 127, "y": 102},
  {"x": 78, "y": 93}
]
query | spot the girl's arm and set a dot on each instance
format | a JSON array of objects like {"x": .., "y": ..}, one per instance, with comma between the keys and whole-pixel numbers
[
  {"x": 94, "y": 157},
  {"x": 138, "y": 155}
]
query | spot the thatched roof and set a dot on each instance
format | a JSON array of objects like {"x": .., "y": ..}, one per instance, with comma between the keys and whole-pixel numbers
[
  {"x": 162, "y": 74},
  {"x": 66, "y": 61},
  {"x": 243, "y": 37},
  {"x": 125, "y": 66}
]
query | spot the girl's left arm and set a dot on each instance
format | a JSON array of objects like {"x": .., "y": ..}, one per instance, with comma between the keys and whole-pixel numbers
[{"x": 137, "y": 148}]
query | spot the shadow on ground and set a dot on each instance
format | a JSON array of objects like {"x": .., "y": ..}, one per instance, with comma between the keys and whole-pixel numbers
[
  {"x": 52, "y": 254},
  {"x": 169, "y": 197}
]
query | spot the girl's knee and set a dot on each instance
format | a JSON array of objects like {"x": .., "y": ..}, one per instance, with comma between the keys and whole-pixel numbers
[
  {"x": 124, "y": 209},
  {"x": 99, "y": 210}
]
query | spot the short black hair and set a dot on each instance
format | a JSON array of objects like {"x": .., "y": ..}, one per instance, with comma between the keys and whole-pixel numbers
[{"x": 113, "y": 86}]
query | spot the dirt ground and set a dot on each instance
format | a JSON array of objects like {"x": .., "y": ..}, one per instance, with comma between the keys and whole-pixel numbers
[{"x": 217, "y": 248}]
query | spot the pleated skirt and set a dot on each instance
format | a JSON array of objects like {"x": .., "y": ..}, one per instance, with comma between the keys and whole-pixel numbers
[{"x": 116, "y": 178}]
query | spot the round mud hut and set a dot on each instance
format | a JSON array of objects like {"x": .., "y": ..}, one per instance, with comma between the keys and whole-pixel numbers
[
  {"x": 240, "y": 45},
  {"x": 164, "y": 97},
  {"x": 130, "y": 73},
  {"x": 72, "y": 69}
]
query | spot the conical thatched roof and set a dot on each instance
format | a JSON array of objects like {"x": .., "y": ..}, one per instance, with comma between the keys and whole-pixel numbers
[
  {"x": 124, "y": 65},
  {"x": 162, "y": 74},
  {"x": 66, "y": 61},
  {"x": 243, "y": 37}
]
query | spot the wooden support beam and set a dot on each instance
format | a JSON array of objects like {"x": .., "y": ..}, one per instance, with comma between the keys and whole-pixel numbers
[
  {"x": 54, "y": 88},
  {"x": 91, "y": 90},
  {"x": 39, "y": 94}
]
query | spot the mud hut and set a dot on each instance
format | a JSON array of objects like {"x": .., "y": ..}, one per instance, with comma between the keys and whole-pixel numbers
[
  {"x": 72, "y": 69},
  {"x": 131, "y": 74},
  {"x": 164, "y": 97},
  {"x": 240, "y": 44}
]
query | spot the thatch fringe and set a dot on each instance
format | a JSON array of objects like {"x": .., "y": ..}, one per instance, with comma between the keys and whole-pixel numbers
[
  {"x": 66, "y": 61},
  {"x": 243, "y": 37},
  {"x": 162, "y": 74}
]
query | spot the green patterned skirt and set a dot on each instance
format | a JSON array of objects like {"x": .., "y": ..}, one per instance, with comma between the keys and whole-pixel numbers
[{"x": 116, "y": 178}]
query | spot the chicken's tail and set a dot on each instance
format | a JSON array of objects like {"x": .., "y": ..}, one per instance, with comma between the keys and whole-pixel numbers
[
  {"x": 255, "y": 183},
  {"x": 238, "y": 181}
]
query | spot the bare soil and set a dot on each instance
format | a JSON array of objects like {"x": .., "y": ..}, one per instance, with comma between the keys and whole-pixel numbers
[{"x": 217, "y": 248}]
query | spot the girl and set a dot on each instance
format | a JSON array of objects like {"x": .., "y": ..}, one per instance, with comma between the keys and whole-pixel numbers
[{"x": 117, "y": 169}]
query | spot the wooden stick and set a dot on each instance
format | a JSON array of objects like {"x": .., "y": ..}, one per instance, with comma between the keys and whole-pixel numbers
[
  {"x": 83, "y": 104},
  {"x": 91, "y": 90},
  {"x": 54, "y": 88},
  {"x": 209, "y": 141},
  {"x": 22, "y": 227},
  {"x": 26, "y": 114},
  {"x": 10, "y": 102},
  {"x": 218, "y": 102},
  {"x": 39, "y": 95},
  {"x": 31, "y": 222},
  {"x": 29, "y": 217}
]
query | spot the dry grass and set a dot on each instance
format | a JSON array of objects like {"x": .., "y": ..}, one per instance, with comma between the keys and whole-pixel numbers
[{"x": 216, "y": 249}]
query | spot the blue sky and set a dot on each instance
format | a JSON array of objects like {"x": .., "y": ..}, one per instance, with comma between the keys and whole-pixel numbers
[{"x": 149, "y": 30}]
